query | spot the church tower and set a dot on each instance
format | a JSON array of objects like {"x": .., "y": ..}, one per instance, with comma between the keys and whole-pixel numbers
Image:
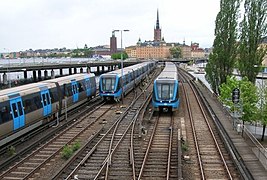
[{"x": 157, "y": 30}]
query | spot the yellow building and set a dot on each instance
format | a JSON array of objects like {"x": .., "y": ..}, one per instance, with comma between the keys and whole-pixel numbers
[
  {"x": 131, "y": 51},
  {"x": 186, "y": 51},
  {"x": 152, "y": 49}
]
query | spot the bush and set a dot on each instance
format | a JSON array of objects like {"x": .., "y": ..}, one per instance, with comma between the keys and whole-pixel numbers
[
  {"x": 68, "y": 150},
  {"x": 76, "y": 146}
]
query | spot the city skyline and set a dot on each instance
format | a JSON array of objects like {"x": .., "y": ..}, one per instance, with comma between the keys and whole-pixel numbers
[{"x": 40, "y": 24}]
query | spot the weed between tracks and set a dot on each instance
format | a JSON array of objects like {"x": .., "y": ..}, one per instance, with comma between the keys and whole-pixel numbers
[{"x": 68, "y": 150}]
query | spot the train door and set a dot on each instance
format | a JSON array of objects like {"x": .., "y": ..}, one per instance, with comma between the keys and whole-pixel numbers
[
  {"x": 87, "y": 86},
  {"x": 17, "y": 112},
  {"x": 75, "y": 92},
  {"x": 46, "y": 102}
]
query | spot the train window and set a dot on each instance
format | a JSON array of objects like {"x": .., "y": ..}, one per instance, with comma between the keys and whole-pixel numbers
[
  {"x": 80, "y": 87},
  {"x": 69, "y": 90},
  {"x": 108, "y": 84},
  {"x": 27, "y": 107},
  {"x": 20, "y": 108},
  {"x": 124, "y": 80},
  {"x": 54, "y": 95},
  {"x": 93, "y": 82},
  {"x": 48, "y": 98},
  {"x": 44, "y": 99},
  {"x": 165, "y": 91},
  {"x": 64, "y": 90},
  {"x": 4, "y": 114},
  {"x": 37, "y": 102},
  {"x": 15, "y": 111}
]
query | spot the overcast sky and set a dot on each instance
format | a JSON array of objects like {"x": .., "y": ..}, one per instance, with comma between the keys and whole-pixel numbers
[{"x": 41, "y": 24}]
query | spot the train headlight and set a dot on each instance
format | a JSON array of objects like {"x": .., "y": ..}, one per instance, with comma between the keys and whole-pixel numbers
[
  {"x": 170, "y": 101},
  {"x": 161, "y": 101}
]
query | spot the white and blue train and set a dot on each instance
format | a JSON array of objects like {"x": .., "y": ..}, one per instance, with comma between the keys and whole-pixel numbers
[
  {"x": 166, "y": 89},
  {"x": 27, "y": 107},
  {"x": 110, "y": 84}
]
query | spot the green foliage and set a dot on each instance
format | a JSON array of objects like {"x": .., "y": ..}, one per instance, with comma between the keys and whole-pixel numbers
[
  {"x": 11, "y": 151},
  {"x": 253, "y": 29},
  {"x": 248, "y": 96},
  {"x": 68, "y": 150},
  {"x": 76, "y": 145},
  {"x": 263, "y": 104},
  {"x": 82, "y": 53},
  {"x": 185, "y": 147},
  {"x": 222, "y": 60},
  {"x": 118, "y": 56},
  {"x": 176, "y": 52},
  {"x": 191, "y": 62}
]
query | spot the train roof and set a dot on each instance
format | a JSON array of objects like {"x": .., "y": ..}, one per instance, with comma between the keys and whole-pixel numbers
[
  {"x": 169, "y": 72},
  {"x": 70, "y": 77},
  {"x": 32, "y": 86},
  {"x": 129, "y": 68}
]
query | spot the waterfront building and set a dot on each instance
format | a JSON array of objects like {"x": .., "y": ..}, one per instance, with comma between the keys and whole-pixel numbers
[{"x": 158, "y": 48}]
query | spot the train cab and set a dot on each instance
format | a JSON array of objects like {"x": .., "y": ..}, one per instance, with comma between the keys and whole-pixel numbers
[
  {"x": 110, "y": 86},
  {"x": 165, "y": 90}
]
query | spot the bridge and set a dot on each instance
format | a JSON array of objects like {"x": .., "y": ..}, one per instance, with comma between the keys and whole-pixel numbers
[{"x": 72, "y": 68}]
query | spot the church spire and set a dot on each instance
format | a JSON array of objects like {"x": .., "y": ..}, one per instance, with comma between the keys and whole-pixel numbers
[
  {"x": 157, "y": 30},
  {"x": 157, "y": 23}
]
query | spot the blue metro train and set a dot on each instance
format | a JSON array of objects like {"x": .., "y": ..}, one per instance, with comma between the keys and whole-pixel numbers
[
  {"x": 110, "y": 84},
  {"x": 166, "y": 89},
  {"x": 27, "y": 107}
]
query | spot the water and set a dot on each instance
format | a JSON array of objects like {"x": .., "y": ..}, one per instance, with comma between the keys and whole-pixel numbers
[{"x": 260, "y": 82}]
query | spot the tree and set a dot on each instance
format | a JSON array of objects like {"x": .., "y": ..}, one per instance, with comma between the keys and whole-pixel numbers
[
  {"x": 222, "y": 59},
  {"x": 118, "y": 56},
  {"x": 253, "y": 29},
  {"x": 263, "y": 109},
  {"x": 248, "y": 96},
  {"x": 176, "y": 52}
]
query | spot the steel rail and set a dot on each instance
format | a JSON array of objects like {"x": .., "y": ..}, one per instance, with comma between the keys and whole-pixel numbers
[
  {"x": 210, "y": 130},
  {"x": 212, "y": 133},
  {"x": 43, "y": 146},
  {"x": 193, "y": 131},
  {"x": 148, "y": 148},
  {"x": 100, "y": 140},
  {"x": 170, "y": 148}
]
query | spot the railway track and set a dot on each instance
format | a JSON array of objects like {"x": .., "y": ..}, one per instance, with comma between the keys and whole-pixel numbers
[
  {"x": 211, "y": 156},
  {"x": 29, "y": 141},
  {"x": 38, "y": 162},
  {"x": 160, "y": 159},
  {"x": 109, "y": 155}
]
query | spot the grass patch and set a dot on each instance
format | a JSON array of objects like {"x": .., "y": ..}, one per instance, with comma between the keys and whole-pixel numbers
[
  {"x": 185, "y": 147},
  {"x": 68, "y": 150}
]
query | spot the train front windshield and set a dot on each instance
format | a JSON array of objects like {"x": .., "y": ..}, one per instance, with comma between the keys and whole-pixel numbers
[
  {"x": 165, "y": 91},
  {"x": 108, "y": 84}
]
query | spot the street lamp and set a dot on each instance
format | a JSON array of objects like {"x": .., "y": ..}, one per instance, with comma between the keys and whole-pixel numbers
[
  {"x": 125, "y": 30},
  {"x": 8, "y": 68}
]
